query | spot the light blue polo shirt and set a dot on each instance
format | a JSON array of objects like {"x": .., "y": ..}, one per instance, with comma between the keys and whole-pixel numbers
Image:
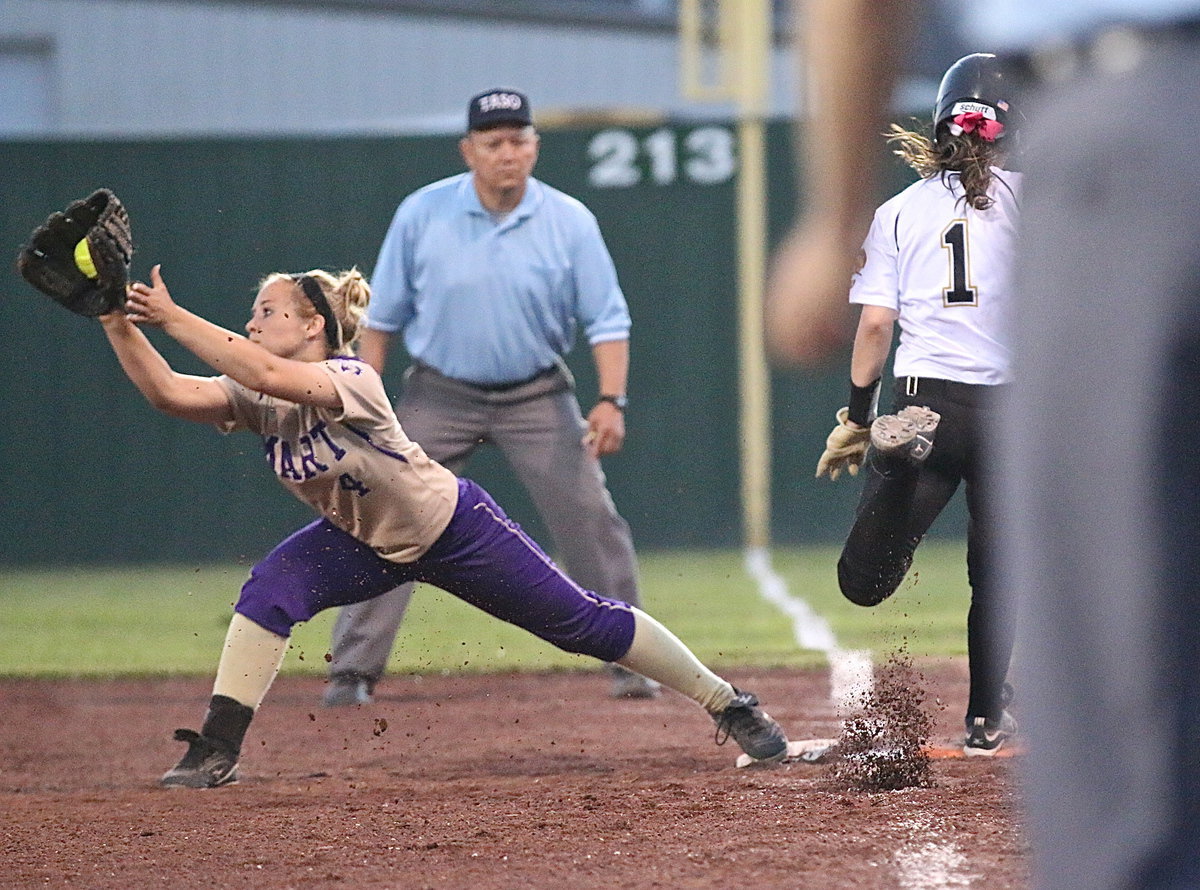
[{"x": 489, "y": 302}]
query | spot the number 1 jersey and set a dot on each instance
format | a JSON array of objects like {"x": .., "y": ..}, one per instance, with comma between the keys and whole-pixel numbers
[{"x": 945, "y": 268}]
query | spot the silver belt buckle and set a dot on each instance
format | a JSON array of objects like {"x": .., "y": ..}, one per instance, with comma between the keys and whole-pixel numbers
[{"x": 910, "y": 386}]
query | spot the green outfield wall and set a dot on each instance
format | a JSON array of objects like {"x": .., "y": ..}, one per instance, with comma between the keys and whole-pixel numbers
[{"x": 94, "y": 475}]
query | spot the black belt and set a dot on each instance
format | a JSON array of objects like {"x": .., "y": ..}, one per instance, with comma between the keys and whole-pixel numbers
[
  {"x": 952, "y": 389},
  {"x": 493, "y": 387},
  {"x": 929, "y": 386}
]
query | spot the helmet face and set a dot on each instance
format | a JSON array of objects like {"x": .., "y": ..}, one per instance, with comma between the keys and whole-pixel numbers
[{"x": 974, "y": 83}]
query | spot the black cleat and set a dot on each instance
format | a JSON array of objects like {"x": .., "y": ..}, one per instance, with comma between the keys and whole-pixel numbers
[
  {"x": 628, "y": 684},
  {"x": 207, "y": 764},
  {"x": 752, "y": 728},
  {"x": 907, "y": 435},
  {"x": 985, "y": 737}
]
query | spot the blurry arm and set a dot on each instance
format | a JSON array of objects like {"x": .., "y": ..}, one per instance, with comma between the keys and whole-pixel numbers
[
  {"x": 852, "y": 50},
  {"x": 373, "y": 347},
  {"x": 606, "y": 423}
]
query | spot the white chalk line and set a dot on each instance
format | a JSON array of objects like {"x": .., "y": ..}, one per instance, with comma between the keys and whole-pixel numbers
[
  {"x": 850, "y": 671},
  {"x": 927, "y": 862},
  {"x": 923, "y": 860}
]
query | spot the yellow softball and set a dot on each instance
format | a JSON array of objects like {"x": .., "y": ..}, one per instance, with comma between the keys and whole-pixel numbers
[{"x": 83, "y": 259}]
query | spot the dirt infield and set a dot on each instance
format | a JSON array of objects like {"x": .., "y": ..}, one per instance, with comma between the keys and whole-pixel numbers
[{"x": 486, "y": 782}]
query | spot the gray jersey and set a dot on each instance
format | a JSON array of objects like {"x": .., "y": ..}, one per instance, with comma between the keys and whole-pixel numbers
[{"x": 356, "y": 466}]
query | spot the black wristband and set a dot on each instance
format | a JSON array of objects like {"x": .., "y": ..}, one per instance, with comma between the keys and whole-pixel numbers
[{"x": 864, "y": 403}]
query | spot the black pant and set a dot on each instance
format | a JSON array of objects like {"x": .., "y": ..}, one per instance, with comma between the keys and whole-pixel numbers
[{"x": 900, "y": 501}]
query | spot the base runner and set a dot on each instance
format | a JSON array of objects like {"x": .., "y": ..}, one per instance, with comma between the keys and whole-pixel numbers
[{"x": 937, "y": 260}]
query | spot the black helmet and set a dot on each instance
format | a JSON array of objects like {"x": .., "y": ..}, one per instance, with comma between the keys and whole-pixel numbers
[{"x": 977, "y": 82}]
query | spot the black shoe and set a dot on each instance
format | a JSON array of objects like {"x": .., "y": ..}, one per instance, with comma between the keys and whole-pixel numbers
[
  {"x": 628, "y": 684},
  {"x": 345, "y": 690},
  {"x": 985, "y": 736},
  {"x": 207, "y": 764},
  {"x": 752, "y": 728},
  {"x": 906, "y": 435}
]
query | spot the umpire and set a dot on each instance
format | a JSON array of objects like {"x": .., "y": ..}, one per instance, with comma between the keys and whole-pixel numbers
[{"x": 485, "y": 275}]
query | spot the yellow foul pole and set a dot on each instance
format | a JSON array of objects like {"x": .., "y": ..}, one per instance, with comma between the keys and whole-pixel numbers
[{"x": 742, "y": 73}]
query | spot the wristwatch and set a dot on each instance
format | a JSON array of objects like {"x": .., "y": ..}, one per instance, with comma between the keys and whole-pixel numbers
[{"x": 618, "y": 401}]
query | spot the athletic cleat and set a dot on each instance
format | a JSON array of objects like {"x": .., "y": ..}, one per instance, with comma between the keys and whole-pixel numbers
[
  {"x": 345, "y": 690},
  {"x": 752, "y": 728},
  {"x": 985, "y": 737},
  {"x": 627, "y": 684},
  {"x": 907, "y": 434},
  {"x": 206, "y": 764},
  {"x": 926, "y": 419}
]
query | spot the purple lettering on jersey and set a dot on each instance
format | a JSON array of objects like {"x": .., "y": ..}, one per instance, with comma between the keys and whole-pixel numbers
[
  {"x": 349, "y": 483},
  {"x": 286, "y": 468},
  {"x": 299, "y": 462},
  {"x": 321, "y": 431},
  {"x": 309, "y": 465}
]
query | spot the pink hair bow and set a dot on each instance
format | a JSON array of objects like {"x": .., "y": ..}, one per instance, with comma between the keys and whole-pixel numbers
[{"x": 974, "y": 121}]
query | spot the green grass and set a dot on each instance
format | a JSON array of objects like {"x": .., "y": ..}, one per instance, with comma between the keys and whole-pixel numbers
[
  {"x": 172, "y": 620},
  {"x": 928, "y": 614}
]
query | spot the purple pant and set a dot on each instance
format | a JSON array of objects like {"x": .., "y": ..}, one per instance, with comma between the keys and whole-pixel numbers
[{"x": 483, "y": 558}]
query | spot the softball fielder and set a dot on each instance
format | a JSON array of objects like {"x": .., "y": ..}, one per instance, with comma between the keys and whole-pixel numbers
[
  {"x": 936, "y": 262},
  {"x": 389, "y": 514}
]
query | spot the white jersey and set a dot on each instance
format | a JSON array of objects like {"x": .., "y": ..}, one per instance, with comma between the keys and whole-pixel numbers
[{"x": 944, "y": 268}]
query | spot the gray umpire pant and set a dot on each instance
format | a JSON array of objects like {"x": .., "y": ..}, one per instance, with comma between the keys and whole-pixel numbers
[
  {"x": 539, "y": 429},
  {"x": 1100, "y": 474}
]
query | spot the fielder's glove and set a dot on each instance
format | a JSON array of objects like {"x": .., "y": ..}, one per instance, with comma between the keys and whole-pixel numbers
[
  {"x": 80, "y": 257},
  {"x": 845, "y": 448}
]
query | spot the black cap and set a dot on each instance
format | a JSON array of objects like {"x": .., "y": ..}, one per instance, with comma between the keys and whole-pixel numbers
[{"x": 498, "y": 106}]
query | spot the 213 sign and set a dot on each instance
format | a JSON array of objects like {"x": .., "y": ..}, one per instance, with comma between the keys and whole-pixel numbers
[{"x": 622, "y": 159}]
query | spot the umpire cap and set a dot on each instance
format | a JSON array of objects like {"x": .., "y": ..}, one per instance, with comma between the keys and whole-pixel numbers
[{"x": 496, "y": 107}]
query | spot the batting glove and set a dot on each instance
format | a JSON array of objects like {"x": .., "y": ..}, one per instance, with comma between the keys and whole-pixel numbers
[{"x": 845, "y": 448}]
